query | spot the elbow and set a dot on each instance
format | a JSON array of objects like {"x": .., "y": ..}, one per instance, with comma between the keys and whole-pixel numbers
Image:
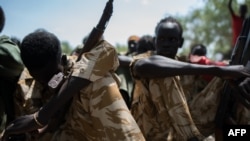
[{"x": 140, "y": 68}]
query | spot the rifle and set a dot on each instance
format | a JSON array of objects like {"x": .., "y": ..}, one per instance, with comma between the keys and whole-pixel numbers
[
  {"x": 97, "y": 32},
  {"x": 93, "y": 38},
  {"x": 230, "y": 94}
]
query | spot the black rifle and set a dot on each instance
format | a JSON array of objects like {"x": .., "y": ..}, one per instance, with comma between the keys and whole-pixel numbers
[
  {"x": 231, "y": 95},
  {"x": 97, "y": 32},
  {"x": 93, "y": 38}
]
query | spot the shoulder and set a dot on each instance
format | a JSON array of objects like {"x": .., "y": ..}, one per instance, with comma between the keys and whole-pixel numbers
[
  {"x": 6, "y": 40},
  {"x": 8, "y": 46}
]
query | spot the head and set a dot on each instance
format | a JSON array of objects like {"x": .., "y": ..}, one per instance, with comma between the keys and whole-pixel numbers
[
  {"x": 199, "y": 50},
  {"x": 145, "y": 44},
  {"x": 132, "y": 42},
  {"x": 243, "y": 10},
  {"x": 168, "y": 37},
  {"x": 41, "y": 54},
  {"x": 2, "y": 19}
]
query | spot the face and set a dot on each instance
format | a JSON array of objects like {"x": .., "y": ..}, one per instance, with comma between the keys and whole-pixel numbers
[
  {"x": 132, "y": 46},
  {"x": 43, "y": 75},
  {"x": 168, "y": 39}
]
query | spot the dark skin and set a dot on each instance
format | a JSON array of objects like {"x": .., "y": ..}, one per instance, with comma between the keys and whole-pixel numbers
[
  {"x": 69, "y": 88},
  {"x": 168, "y": 41},
  {"x": 242, "y": 10},
  {"x": 124, "y": 60}
]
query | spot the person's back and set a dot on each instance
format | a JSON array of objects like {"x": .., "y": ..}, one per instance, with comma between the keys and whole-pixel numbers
[{"x": 10, "y": 68}]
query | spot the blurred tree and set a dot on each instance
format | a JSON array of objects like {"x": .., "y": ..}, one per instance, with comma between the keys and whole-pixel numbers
[
  {"x": 210, "y": 24},
  {"x": 66, "y": 48},
  {"x": 121, "y": 49}
]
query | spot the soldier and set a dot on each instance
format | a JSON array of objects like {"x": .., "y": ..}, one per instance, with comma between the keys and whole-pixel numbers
[
  {"x": 96, "y": 108},
  {"x": 11, "y": 67},
  {"x": 159, "y": 104}
]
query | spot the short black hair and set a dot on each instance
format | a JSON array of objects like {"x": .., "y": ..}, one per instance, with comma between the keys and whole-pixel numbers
[
  {"x": 198, "y": 49},
  {"x": 40, "y": 48},
  {"x": 2, "y": 19},
  {"x": 168, "y": 19},
  {"x": 145, "y": 43}
]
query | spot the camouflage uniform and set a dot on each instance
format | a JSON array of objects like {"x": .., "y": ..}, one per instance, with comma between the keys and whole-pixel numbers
[
  {"x": 160, "y": 108},
  {"x": 206, "y": 104},
  {"x": 98, "y": 112},
  {"x": 162, "y": 112}
]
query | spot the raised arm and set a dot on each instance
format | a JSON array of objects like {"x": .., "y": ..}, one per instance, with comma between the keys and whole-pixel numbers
[
  {"x": 158, "y": 66},
  {"x": 230, "y": 7}
]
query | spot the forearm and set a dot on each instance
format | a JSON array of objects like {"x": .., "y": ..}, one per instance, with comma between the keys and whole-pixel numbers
[
  {"x": 124, "y": 60},
  {"x": 230, "y": 6},
  {"x": 158, "y": 67}
]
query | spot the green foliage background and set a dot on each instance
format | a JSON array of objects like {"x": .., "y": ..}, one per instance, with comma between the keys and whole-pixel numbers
[{"x": 209, "y": 24}]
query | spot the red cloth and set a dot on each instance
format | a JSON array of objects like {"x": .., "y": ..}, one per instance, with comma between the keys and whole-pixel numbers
[
  {"x": 203, "y": 60},
  {"x": 237, "y": 23}
]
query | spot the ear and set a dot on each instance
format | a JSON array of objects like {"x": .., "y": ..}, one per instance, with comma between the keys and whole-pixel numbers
[{"x": 181, "y": 42}]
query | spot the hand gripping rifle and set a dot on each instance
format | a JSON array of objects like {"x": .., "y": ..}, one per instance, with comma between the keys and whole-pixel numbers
[{"x": 231, "y": 95}]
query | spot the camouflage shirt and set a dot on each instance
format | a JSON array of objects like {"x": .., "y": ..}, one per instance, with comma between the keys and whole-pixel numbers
[
  {"x": 163, "y": 112},
  {"x": 160, "y": 108},
  {"x": 98, "y": 112}
]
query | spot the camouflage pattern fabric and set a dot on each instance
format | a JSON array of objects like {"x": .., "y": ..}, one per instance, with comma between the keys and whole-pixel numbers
[
  {"x": 161, "y": 110},
  {"x": 30, "y": 95},
  {"x": 98, "y": 112},
  {"x": 152, "y": 106},
  {"x": 206, "y": 103}
]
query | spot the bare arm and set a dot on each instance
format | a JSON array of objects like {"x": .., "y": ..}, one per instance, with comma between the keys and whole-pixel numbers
[
  {"x": 158, "y": 66},
  {"x": 230, "y": 7},
  {"x": 124, "y": 60}
]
